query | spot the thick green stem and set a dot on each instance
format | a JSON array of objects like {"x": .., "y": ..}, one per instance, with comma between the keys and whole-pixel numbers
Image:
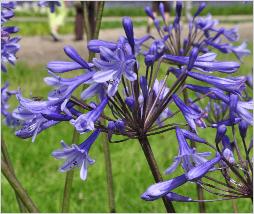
[
  {"x": 200, "y": 191},
  {"x": 108, "y": 166},
  {"x": 7, "y": 160},
  {"x": 155, "y": 170},
  {"x": 16, "y": 185},
  {"x": 234, "y": 205},
  {"x": 69, "y": 180}
]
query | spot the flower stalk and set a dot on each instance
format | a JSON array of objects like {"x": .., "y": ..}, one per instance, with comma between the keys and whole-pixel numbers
[
  {"x": 19, "y": 189},
  {"x": 154, "y": 169},
  {"x": 109, "y": 175},
  {"x": 7, "y": 160}
]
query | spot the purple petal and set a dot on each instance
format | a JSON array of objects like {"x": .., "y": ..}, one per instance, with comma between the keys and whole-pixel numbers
[
  {"x": 200, "y": 170},
  {"x": 128, "y": 28},
  {"x": 162, "y": 188},
  {"x": 83, "y": 170},
  {"x": 175, "y": 197},
  {"x": 103, "y": 76},
  {"x": 173, "y": 166},
  {"x": 61, "y": 66},
  {"x": 73, "y": 54},
  {"x": 94, "y": 45}
]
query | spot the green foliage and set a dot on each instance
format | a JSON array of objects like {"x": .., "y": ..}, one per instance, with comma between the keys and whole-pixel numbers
[
  {"x": 236, "y": 9},
  {"x": 239, "y": 9},
  {"x": 41, "y": 27}
]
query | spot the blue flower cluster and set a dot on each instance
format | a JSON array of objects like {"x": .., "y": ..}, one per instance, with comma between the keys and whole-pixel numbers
[
  {"x": 50, "y": 4},
  {"x": 9, "y": 45},
  {"x": 6, "y": 94},
  {"x": 125, "y": 76},
  {"x": 9, "y": 48}
]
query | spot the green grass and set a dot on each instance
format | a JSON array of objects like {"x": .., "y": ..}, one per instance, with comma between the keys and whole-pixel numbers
[
  {"x": 239, "y": 9},
  {"x": 37, "y": 169},
  {"x": 236, "y": 9},
  {"x": 41, "y": 28}
]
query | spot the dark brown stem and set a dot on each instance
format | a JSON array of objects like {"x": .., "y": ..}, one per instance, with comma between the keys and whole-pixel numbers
[
  {"x": 155, "y": 170},
  {"x": 109, "y": 174},
  {"x": 7, "y": 160},
  {"x": 16, "y": 185}
]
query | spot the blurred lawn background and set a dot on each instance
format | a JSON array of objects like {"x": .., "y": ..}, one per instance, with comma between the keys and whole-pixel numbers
[
  {"x": 37, "y": 169},
  {"x": 39, "y": 26}
]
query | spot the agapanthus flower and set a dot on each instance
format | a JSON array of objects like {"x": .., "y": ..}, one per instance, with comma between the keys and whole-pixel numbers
[
  {"x": 243, "y": 127},
  {"x": 51, "y": 4},
  {"x": 7, "y": 11},
  {"x": 65, "y": 87},
  {"x": 187, "y": 156},
  {"x": 40, "y": 115},
  {"x": 228, "y": 149},
  {"x": 158, "y": 190},
  {"x": 206, "y": 23},
  {"x": 234, "y": 85},
  {"x": 63, "y": 66},
  {"x": 205, "y": 63},
  {"x": 200, "y": 170},
  {"x": 189, "y": 114},
  {"x": 5, "y": 111},
  {"x": 113, "y": 66},
  {"x": 94, "y": 45},
  {"x": 221, "y": 131},
  {"x": 135, "y": 96},
  {"x": 85, "y": 122},
  {"x": 77, "y": 155},
  {"x": 9, "y": 45}
]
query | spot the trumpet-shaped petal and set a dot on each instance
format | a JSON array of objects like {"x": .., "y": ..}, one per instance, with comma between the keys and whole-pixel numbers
[
  {"x": 6, "y": 114},
  {"x": 241, "y": 50},
  {"x": 199, "y": 10},
  {"x": 221, "y": 131},
  {"x": 111, "y": 70},
  {"x": 85, "y": 122},
  {"x": 200, "y": 170},
  {"x": 176, "y": 197},
  {"x": 232, "y": 34},
  {"x": 62, "y": 66},
  {"x": 51, "y": 4},
  {"x": 227, "y": 150},
  {"x": 128, "y": 28},
  {"x": 77, "y": 155},
  {"x": 187, "y": 155},
  {"x": 94, "y": 45},
  {"x": 243, "y": 127},
  {"x": 225, "y": 84},
  {"x": 162, "y": 188},
  {"x": 189, "y": 114},
  {"x": 211, "y": 92},
  {"x": 204, "y": 63},
  {"x": 33, "y": 127}
]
